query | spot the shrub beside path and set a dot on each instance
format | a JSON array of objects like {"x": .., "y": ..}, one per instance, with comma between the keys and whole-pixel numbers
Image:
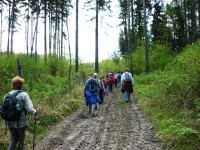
[{"x": 118, "y": 126}]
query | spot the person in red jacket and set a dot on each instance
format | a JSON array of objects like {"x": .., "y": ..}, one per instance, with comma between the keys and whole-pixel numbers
[{"x": 112, "y": 80}]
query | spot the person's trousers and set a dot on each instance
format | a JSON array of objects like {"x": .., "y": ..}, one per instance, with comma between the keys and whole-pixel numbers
[
  {"x": 127, "y": 95},
  {"x": 110, "y": 87},
  {"x": 107, "y": 87},
  {"x": 17, "y": 137}
]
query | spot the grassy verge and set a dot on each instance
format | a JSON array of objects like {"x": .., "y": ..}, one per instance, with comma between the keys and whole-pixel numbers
[
  {"x": 171, "y": 98},
  {"x": 175, "y": 116},
  {"x": 51, "y": 110}
]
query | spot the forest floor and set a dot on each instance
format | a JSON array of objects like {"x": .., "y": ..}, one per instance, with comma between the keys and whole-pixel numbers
[{"x": 117, "y": 126}]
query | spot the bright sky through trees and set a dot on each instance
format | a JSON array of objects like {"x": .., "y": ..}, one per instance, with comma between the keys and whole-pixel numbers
[{"x": 108, "y": 34}]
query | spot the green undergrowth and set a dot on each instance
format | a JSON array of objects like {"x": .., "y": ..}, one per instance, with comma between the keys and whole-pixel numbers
[
  {"x": 171, "y": 98},
  {"x": 51, "y": 110}
]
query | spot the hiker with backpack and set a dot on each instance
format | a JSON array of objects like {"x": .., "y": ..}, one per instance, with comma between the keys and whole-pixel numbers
[
  {"x": 102, "y": 88},
  {"x": 118, "y": 77},
  {"x": 112, "y": 81},
  {"x": 107, "y": 84},
  {"x": 16, "y": 105},
  {"x": 91, "y": 94},
  {"x": 127, "y": 84}
]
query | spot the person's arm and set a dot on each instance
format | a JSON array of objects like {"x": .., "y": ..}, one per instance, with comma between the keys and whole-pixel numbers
[
  {"x": 97, "y": 84},
  {"x": 122, "y": 78},
  {"x": 28, "y": 105},
  {"x": 131, "y": 79}
]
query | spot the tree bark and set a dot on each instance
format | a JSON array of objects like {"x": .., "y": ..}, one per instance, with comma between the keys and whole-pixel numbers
[
  {"x": 97, "y": 39},
  {"x": 27, "y": 31},
  {"x": 1, "y": 29},
  {"x": 19, "y": 64},
  {"x": 70, "y": 59},
  {"x": 8, "y": 42},
  {"x": 76, "y": 54},
  {"x": 12, "y": 26},
  {"x": 45, "y": 30},
  {"x": 145, "y": 36},
  {"x": 129, "y": 36}
]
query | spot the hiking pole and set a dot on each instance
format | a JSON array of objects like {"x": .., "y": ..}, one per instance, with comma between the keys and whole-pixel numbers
[{"x": 34, "y": 130}]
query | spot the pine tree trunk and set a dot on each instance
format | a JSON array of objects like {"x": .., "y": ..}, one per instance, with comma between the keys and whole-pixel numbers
[
  {"x": 129, "y": 35},
  {"x": 27, "y": 32},
  {"x": 133, "y": 43},
  {"x": 96, "y": 38},
  {"x": 32, "y": 38},
  {"x": 62, "y": 30},
  {"x": 12, "y": 26},
  {"x": 58, "y": 37},
  {"x": 76, "y": 44},
  {"x": 199, "y": 15},
  {"x": 9, "y": 24},
  {"x": 50, "y": 33},
  {"x": 36, "y": 30},
  {"x": 193, "y": 21},
  {"x": 1, "y": 30},
  {"x": 70, "y": 59},
  {"x": 45, "y": 30},
  {"x": 145, "y": 37}
]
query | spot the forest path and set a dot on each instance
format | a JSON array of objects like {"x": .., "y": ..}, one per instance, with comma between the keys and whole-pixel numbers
[{"x": 117, "y": 126}]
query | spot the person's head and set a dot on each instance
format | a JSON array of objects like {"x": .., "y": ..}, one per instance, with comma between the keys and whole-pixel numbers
[
  {"x": 17, "y": 83},
  {"x": 95, "y": 75},
  {"x": 126, "y": 70},
  {"x": 90, "y": 76}
]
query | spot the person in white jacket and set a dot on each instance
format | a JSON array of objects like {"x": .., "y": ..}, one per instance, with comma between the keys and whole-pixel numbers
[{"x": 127, "y": 84}]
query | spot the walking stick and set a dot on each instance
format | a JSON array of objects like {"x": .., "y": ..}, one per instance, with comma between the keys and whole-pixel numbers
[{"x": 34, "y": 130}]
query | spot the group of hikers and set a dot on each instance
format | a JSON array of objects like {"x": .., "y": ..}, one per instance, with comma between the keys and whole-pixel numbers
[
  {"x": 95, "y": 88},
  {"x": 17, "y": 103}
]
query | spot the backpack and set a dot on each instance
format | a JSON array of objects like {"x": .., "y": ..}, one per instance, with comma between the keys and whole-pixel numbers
[
  {"x": 118, "y": 76},
  {"x": 127, "y": 77},
  {"x": 12, "y": 107},
  {"x": 92, "y": 86},
  {"x": 107, "y": 81}
]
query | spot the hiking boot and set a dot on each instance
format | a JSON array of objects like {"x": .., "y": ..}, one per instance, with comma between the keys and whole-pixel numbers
[{"x": 93, "y": 115}]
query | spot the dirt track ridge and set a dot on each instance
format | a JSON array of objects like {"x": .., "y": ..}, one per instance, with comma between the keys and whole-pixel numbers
[{"x": 117, "y": 126}]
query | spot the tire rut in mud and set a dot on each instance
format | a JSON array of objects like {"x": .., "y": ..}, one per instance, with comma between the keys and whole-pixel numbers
[{"x": 118, "y": 126}]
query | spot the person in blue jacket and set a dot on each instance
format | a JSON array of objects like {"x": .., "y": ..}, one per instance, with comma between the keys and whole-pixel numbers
[{"x": 91, "y": 93}]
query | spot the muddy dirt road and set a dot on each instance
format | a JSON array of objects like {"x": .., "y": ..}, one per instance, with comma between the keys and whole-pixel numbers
[{"x": 118, "y": 126}]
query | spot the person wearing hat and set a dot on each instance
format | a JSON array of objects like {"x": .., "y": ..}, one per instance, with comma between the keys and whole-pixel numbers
[{"x": 127, "y": 84}]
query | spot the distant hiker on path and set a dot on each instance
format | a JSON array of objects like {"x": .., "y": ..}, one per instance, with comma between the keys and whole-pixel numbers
[
  {"x": 127, "y": 84},
  {"x": 107, "y": 85},
  {"x": 91, "y": 94},
  {"x": 102, "y": 88},
  {"x": 18, "y": 127},
  {"x": 112, "y": 81},
  {"x": 118, "y": 77}
]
